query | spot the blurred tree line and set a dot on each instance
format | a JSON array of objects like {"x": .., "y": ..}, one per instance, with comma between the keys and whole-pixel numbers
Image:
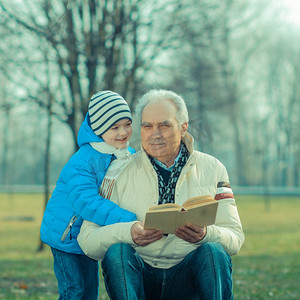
[{"x": 235, "y": 62}]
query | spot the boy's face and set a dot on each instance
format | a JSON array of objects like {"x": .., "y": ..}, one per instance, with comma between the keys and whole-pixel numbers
[{"x": 119, "y": 134}]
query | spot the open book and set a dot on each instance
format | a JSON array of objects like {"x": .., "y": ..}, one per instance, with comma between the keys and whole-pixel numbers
[{"x": 168, "y": 217}]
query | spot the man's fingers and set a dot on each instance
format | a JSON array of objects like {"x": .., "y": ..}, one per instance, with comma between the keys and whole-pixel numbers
[
  {"x": 193, "y": 228},
  {"x": 143, "y": 236},
  {"x": 151, "y": 232},
  {"x": 146, "y": 241},
  {"x": 191, "y": 233}
]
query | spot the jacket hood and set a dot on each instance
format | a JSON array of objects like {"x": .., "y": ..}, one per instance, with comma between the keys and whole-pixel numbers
[
  {"x": 86, "y": 134},
  {"x": 188, "y": 140}
]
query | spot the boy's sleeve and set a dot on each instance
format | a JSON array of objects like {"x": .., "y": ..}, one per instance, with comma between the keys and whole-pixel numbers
[{"x": 83, "y": 193}]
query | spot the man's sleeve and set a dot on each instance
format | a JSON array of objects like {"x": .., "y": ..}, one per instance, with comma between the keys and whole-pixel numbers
[
  {"x": 94, "y": 240},
  {"x": 228, "y": 229}
]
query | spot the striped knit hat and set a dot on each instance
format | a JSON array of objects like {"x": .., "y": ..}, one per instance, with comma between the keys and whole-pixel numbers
[{"x": 105, "y": 109}]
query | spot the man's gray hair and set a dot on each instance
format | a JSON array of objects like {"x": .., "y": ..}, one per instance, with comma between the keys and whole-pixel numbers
[{"x": 182, "y": 115}]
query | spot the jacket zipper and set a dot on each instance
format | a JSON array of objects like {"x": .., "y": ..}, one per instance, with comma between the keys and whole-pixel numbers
[{"x": 68, "y": 229}]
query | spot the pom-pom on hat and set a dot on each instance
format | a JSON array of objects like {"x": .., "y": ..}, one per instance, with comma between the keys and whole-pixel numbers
[{"x": 105, "y": 109}]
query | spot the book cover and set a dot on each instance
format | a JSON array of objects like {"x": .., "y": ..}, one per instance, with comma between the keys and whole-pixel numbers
[{"x": 200, "y": 211}]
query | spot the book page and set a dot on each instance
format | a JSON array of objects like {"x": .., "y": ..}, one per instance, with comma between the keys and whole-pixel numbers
[
  {"x": 203, "y": 215},
  {"x": 197, "y": 201},
  {"x": 165, "y": 206},
  {"x": 162, "y": 220}
]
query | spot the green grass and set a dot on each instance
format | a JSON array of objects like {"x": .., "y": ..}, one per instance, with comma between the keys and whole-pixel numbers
[{"x": 267, "y": 267}]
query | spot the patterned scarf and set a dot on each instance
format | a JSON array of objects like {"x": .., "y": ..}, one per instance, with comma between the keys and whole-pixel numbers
[{"x": 167, "y": 192}]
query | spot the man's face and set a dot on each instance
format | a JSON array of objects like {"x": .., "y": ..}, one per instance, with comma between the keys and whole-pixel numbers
[{"x": 160, "y": 132}]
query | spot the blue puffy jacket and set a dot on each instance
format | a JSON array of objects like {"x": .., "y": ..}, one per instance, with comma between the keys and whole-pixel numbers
[{"x": 76, "y": 196}]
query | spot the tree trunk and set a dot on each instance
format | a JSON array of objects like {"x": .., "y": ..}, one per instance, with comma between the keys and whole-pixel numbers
[{"x": 48, "y": 146}]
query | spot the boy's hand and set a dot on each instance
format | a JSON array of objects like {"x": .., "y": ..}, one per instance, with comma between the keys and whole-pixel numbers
[{"x": 143, "y": 237}]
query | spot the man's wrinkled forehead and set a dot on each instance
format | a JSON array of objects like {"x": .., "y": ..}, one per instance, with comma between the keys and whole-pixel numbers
[{"x": 158, "y": 111}]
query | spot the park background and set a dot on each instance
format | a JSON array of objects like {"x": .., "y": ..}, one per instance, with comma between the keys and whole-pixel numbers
[{"x": 235, "y": 62}]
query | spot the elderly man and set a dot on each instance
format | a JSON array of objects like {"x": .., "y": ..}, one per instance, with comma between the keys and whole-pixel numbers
[{"x": 193, "y": 263}]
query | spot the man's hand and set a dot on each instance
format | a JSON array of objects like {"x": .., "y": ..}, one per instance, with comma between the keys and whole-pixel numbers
[
  {"x": 143, "y": 237},
  {"x": 191, "y": 233}
]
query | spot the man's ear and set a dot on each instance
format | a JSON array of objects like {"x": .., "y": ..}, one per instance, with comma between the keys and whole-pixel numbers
[{"x": 184, "y": 128}]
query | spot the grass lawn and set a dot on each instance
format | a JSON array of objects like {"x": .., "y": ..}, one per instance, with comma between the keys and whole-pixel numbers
[{"x": 267, "y": 267}]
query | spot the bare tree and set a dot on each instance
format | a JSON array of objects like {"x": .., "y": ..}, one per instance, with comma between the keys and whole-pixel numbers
[
  {"x": 63, "y": 51},
  {"x": 220, "y": 39},
  {"x": 283, "y": 73},
  {"x": 50, "y": 101},
  {"x": 5, "y": 107},
  {"x": 93, "y": 45}
]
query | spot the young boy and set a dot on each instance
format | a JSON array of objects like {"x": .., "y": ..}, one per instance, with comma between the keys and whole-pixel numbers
[{"x": 103, "y": 137}]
